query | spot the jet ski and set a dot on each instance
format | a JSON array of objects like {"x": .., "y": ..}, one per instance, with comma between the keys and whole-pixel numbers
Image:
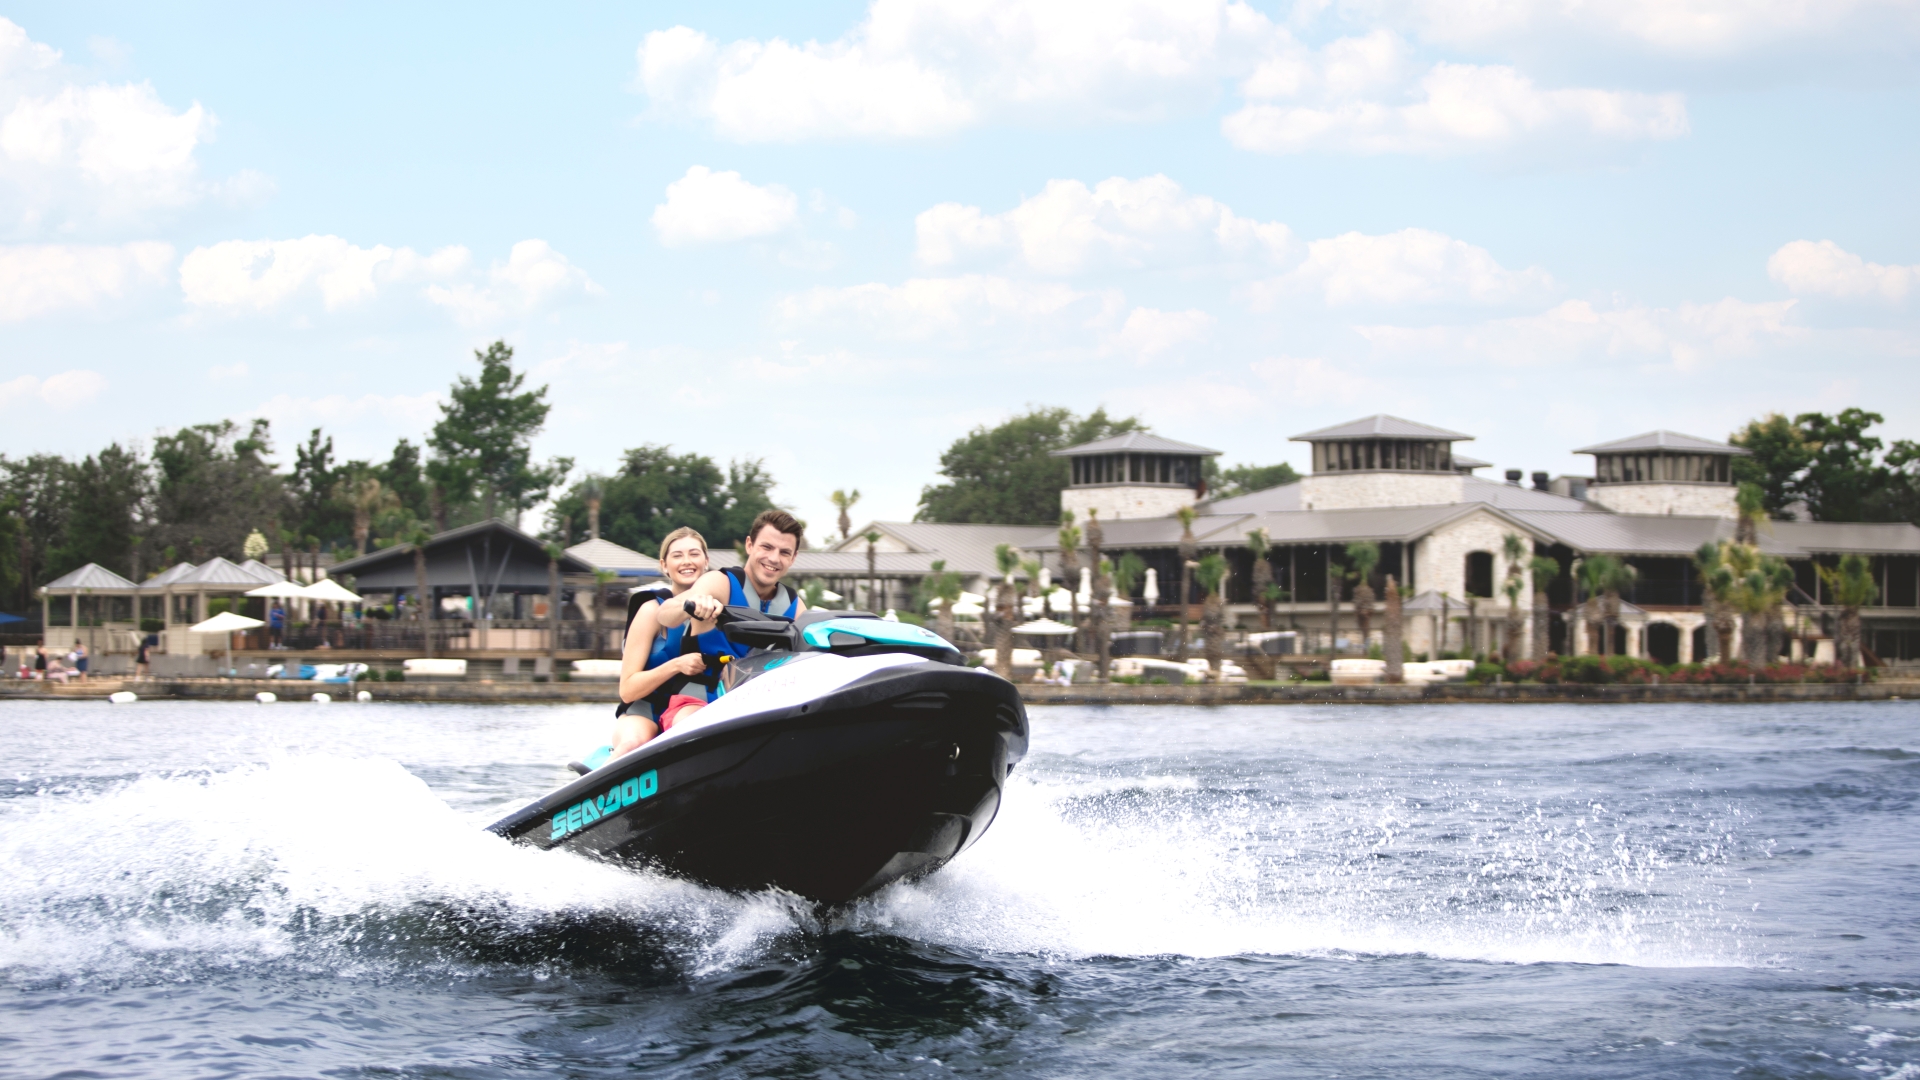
[{"x": 844, "y": 753}]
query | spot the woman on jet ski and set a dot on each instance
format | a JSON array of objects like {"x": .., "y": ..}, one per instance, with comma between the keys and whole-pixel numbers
[{"x": 653, "y": 669}]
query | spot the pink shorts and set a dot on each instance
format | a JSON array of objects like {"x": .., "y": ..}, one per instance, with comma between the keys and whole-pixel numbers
[{"x": 676, "y": 703}]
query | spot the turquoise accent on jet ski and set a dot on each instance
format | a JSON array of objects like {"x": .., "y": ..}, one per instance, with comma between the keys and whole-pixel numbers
[
  {"x": 878, "y": 631},
  {"x": 598, "y": 758}
]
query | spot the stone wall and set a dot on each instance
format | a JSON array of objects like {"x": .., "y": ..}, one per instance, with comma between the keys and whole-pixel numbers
[
  {"x": 1440, "y": 565},
  {"x": 1682, "y": 500},
  {"x": 1115, "y": 501},
  {"x": 1356, "y": 490}
]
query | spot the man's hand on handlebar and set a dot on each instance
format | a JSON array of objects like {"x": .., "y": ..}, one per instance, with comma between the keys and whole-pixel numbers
[{"x": 704, "y": 608}]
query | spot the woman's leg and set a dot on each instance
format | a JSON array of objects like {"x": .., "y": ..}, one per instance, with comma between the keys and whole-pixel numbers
[{"x": 632, "y": 730}]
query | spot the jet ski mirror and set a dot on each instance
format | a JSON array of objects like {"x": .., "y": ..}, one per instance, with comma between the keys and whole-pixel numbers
[{"x": 753, "y": 628}]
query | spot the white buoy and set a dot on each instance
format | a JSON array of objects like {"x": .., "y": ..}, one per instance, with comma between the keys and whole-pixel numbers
[
  {"x": 364, "y": 695},
  {"x": 266, "y": 697},
  {"x": 323, "y": 698},
  {"x": 123, "y": 697}
]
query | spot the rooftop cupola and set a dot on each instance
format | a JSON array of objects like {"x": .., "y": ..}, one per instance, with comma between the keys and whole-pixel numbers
[
  {"x": 1134, "y": 475},
  {"x": 1664, "y": 472},
  {"x": 1384, "y": 461}
]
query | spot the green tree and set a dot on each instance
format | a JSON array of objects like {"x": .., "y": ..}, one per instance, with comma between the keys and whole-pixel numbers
[
  {"x": 1516, "y": 549},
  {"x": 656, "y": 491},
  {"x": 843, "y": 502},
  {"x": 1829, "y": 463},
  {"x": 1544, "y": 569},
  {"x": 214, "y": 486},
  {"x": 1393, "y": 635},
  {"x": 1850, "y": 587},
  {"x": 943, "y": 585},
  {"x": 1000, "y": 613},
  {"x": 1006, "y": 474},
  {"x": 1264, "y": 590},
  {"x": 13, "y": 542},
  {"x": 1604, "y": 576},
  {"x": 1719, "y": 584},
  {"x": 402, "y": 475},
  {"x": 1362, "y": 557},
  {"x": 1069, "y": 538},
  {"x": 107, "y": 497},
  {"x": 487, "y": 425},
  {"x": 1244, "y": 479},
  {"x": 1211, "y": 572},
  {"x": 37, "y": 488},
  {"x": 1779, "y": 454},
  {"x": 321, "y": 491}
]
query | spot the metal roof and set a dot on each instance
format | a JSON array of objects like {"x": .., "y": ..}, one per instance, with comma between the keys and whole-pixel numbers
[
  {"x": 1380, "y": 424},
  {"x": 606, "y": 555},
  {"x": 168, "y": 576},
  {"x": 450, "y": 562},
  {"x": 1841, "y": 537},
  {"x": 1141, "y": 441},
  {"x": 1638, "y": 534},
  {"x": 1515, "y": 497},
  {"x": 1665, "y": 440},
  {"x": 1399, "y": 523},
  {"x": 1266, "y": 501},
  {"x": 90, "y": 576},
  {"x": 1462, "y": 461},
  {"x": 267, "y": 574},
  {"x": 218, "y": 571},
  {"x": 966, "y": 547}
]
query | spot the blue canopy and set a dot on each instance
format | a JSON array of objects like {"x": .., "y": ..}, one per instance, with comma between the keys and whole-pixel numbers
[{"x": 6, "y": 618}]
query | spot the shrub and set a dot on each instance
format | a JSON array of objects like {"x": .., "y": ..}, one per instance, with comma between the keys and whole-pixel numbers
[
  {"x": 1486, "y": 673},
  {"x": 152, "y": 626},
  {"x": 393, "y": 675}
]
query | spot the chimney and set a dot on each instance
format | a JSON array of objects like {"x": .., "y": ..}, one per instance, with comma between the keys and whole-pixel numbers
[
  {"x": 1540, "y": 481},
  {"x": 1513, "y": 477}
]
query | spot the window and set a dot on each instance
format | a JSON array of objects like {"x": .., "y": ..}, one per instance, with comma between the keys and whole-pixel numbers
[{"x": 1479, "y": 573}]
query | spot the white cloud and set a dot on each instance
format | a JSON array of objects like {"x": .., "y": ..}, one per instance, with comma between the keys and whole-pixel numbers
[
  {"x": 95, "y": 150},
  {"x": 1826, "y": 269},
  {"x": 219, "y": 372},
  {"x": 62, "y": 391},
  {"x": 1412, "y": 266},
  {"x": 946, "y": 307},
  {"x": 1149, "y": 333},
  {"x": 36, "y": 279},
  {"x": 368, "y": 416},
  {"x": 1686, "y": 27},
  {"x": 533, "y": 275},
  {"x": 1686, "y": 337},
  {"x": 1343, "y": 104},
  {"x": 705, "y": 207},
  {"x": 923, "y": 68},
  {"x": 1312, "y": 380},
  {"x": 1068, "y": 228}
]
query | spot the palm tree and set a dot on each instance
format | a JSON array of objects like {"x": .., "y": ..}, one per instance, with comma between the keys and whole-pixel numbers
[
  {"x": 843, "y": 501},
  {"x": 554, "y": 553},
  {"x": 1750, "y": 502},
  {"x": 1070, "y": 565},
  {"x": 1719, "y": 584},
  {"x": 1264, "y": 591},
  {"x": 593, "y": 491},
  {"x": 1604, "y": 576},
  {"x": 418, "y": 534},
  {"x": 1363, "y": 556},
  {"x": 945, "y": 586},
  {"x": 1850, "y": 587},
  {"x": 873, "y": 569},
  {"x": 1189, "y": 552},
  {"x": 1514, "y": 547},
  {"x": 1760, "y": 587},
  {"x": 1392, "y": 634},
  {"x": 1000, "y": 627},
  {"x": 369, "y": 499},
  {"x": 1097, "y": 602},
  {"x": 1127, "y": 574},
  {"x": 1212, "y": 573},
  {"x": 1544, "y": 570}
]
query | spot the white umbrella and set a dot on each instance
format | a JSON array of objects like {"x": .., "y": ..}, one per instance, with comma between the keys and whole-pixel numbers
[
  {"x": 1086, "y": 586},
  {"x": 830, "y": 596},
  {"x": 281, "y": 590},
  {"x": 329, "y": 590},
  {"x": 1151, "y": 594},
  {"x": 971, "y": 598},
  {"x": 1060, "y": 600},
  {"x": 229, "y": 624},
  {"x": 967, "y": 607},
  {"x": 1043, "y": 628}
]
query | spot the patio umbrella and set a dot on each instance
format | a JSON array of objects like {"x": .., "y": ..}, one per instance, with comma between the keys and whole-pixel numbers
[
  {"x": 331, "y": 591},
  {"x": 1044, "y": 628},
  {"x": 229, "y": 624},
  {"x": 280, "y": 590},
  {"x": 967, "y": 607}
]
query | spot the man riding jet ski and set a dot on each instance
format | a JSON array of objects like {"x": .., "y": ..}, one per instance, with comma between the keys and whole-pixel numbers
[{"x": 843, "y": 753}]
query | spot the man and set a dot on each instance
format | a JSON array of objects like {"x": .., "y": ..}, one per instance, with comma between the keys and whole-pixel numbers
[{"x": 772, "y": 543}]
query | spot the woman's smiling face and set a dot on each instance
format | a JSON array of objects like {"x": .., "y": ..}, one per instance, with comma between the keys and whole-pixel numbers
[{"x": 686, "y": 561}]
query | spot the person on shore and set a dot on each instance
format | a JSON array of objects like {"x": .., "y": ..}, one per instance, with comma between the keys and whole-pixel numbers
[
  {"x": 276, "y": 625},
  {"x": 652, "y": 663},
  {"x": 40, "y": 659},
  {"x": 772, "y": 543},
  {"x": 78, "y": 658},
  {"x": 143, "y": 659}
]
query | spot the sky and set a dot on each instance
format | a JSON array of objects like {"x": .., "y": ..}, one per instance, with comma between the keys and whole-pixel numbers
[{"x": 836, "y": 237}]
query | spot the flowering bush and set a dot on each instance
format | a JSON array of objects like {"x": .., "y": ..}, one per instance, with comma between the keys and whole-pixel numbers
[{"x": 1633, "y": 670}]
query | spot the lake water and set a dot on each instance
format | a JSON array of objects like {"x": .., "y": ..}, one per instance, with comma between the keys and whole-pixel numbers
[{"x": 206, "y": 890}]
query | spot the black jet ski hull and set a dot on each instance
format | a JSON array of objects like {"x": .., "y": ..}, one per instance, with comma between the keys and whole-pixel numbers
[{"x": 886, "y": 778}]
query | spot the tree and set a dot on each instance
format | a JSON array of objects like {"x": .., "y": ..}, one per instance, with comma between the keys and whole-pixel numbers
[
  {"x": 1244, "y": 479},
  {"x": 1515, "y": 548},
  {"x": 1264, "y": 591},
  {"x": 1719, "y": 584},
  {"x": 1362, "y": 557},
  {"x": 322, "y": 492},
  {"x": 487, "y": 425},
  {"x": 214, "y": 486},
  {"x": 843, "y": 502},
  {"x": 592, "y": 492},
  {"x": 1779, "y": 454},
  {"x": 1749, "y": 504},
  {"x": 1189, "y": 555},
  {"x": 1070, "y": 567},
  {"x": 401, "y": 474},
  {"x": 1604, "y": 576},
  {"x": 1006, "y": 474},
  {"x": 1850, "y": 587},
  {"x": 873, "y": 582},
  {"x": 1827, "y": 463},
  {"x": 1544, "y": 569},
  {"x": 1393, "y": 635},
  {"x": 1000, "y": 626},
  {"x": 369, "y": 499},
  {"x": 1211, "y": 571},
  {"x": 37, "y": 488},
  {"x": 417, "y": 534},
  {"x": 13, "y": 546},
  {"x": 942, "y": 585},
  {"x": 1128, "y": 573},
  {"x": 107, "y": 496},
  {"x": 554, "y": 554},
  {"x": 656, "y": 491}
]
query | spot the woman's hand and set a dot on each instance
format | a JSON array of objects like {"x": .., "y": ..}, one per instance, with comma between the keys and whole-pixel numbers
[{"x": 686, "y": 664}]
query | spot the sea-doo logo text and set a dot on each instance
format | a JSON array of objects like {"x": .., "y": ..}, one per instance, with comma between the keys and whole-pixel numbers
[{"x": 614, "y": 799}]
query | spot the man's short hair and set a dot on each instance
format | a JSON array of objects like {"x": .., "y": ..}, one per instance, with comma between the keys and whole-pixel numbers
[{"x": 781, "y": 521}]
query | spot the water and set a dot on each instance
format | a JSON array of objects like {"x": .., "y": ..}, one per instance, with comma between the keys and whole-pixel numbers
[{"x": 298, "y": 890}]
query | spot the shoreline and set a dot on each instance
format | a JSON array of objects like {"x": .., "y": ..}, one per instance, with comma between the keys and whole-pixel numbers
[{"x": 600, "y": 692}]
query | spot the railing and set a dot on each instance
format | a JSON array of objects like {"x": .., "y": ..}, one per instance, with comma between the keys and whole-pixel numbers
[{"x": 449, "y": 635}]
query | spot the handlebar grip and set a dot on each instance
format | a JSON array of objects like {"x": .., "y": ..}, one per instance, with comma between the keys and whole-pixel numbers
[{"x": 687, "y": 605}]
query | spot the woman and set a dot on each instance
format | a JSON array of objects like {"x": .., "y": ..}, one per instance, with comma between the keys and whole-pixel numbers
[{"x": 652, "y": 667}]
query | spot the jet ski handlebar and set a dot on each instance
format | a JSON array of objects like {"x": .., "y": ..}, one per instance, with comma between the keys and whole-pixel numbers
[{"x": 753, "y": 628}]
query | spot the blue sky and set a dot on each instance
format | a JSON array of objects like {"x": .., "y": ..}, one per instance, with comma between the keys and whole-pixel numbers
[{"x": 837, "y": 238}]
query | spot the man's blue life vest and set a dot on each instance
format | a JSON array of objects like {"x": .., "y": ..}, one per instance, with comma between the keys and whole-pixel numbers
[{"x": 784, "y": 602}]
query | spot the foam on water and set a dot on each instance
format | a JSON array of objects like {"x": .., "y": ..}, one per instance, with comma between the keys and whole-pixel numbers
[{"x": 345, "y": 864}]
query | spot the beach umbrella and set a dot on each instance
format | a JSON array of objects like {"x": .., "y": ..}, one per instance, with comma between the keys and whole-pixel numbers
[
  {"x": 967, "y": 607},
  {"x": 1044, "y": 628},
  {"x": 330, "y": 591},
  {"x": 1151, "y": 594},
  {"x": 6, "y": 618},
  {"x": 229, "y": 624},
  {"x": 280, "y": 590}
]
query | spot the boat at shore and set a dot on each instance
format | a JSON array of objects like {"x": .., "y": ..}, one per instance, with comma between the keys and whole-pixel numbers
[{"x": 843, "y": 754}]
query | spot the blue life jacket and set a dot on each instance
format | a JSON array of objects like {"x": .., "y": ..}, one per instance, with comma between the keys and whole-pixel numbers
[
  {"x": 785, "y": 603},
  {"x": 665, "y": 647}
]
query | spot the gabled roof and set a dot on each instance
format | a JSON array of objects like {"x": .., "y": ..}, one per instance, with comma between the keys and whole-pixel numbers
[
  {"x": 1665, "y": 440},
  {"x": 1137, "y": 441},
  {"x": 569, "y": 564},
  {"x": 168, "y": 576},
  {"x": 1395, "y": 523},
  {"x": 90, "y": 576},
  {"x": 1841, "y": 537},
  {"x": 1515, "y": 497},
  {"x": 1380, "y": 424},
  {"x": 606, "y": 555},
  {"x": 966, "y": 547},
  {"x": 218, "y": 571},
  {"x": 267, "y": 574}
]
